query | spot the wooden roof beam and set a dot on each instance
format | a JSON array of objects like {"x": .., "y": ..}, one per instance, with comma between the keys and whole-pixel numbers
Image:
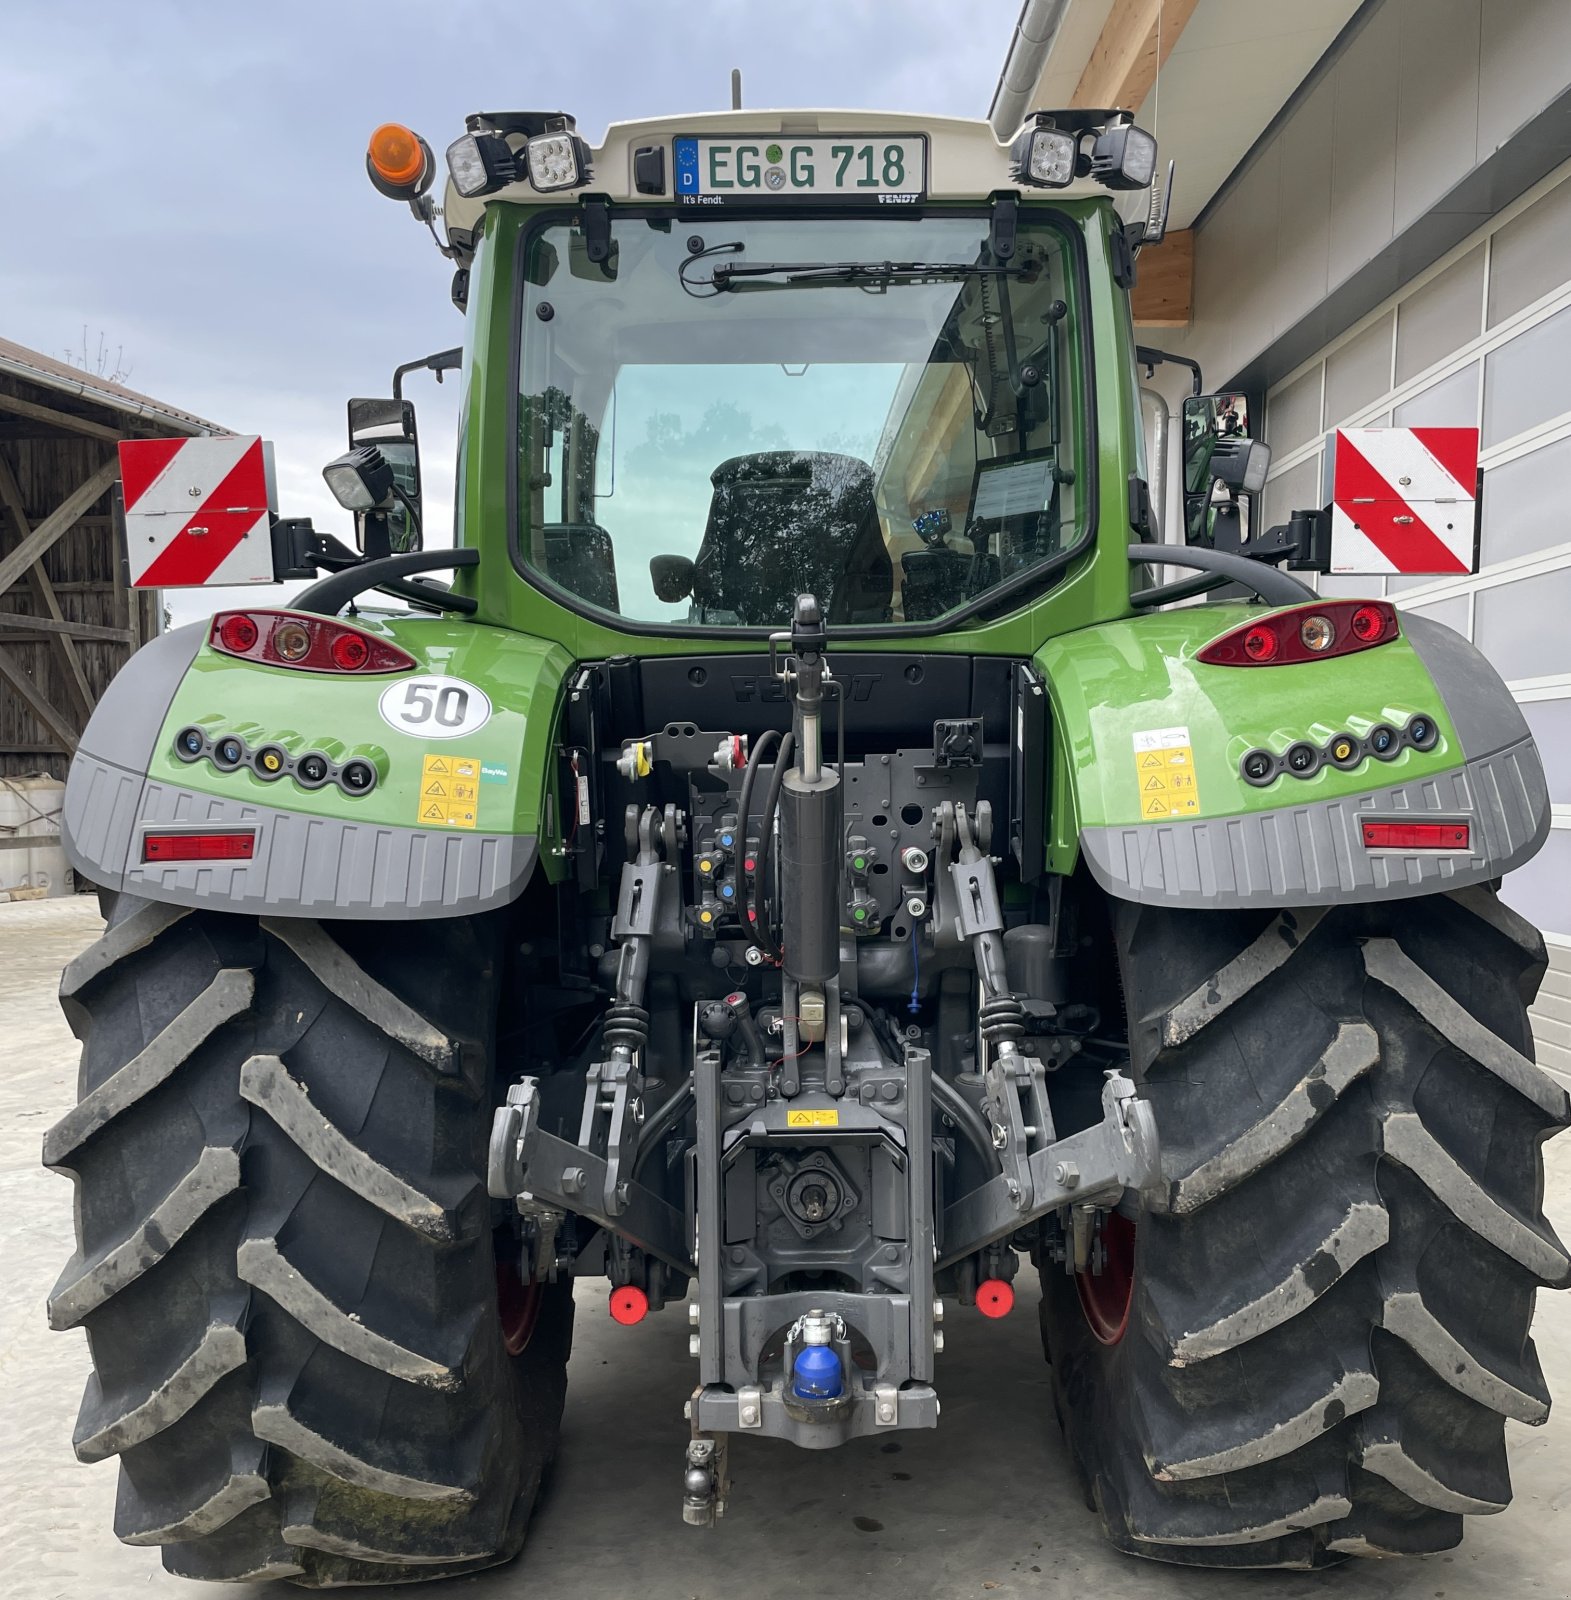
[
  {"x": 60, "y": 419},
  {"x": 46, "y": 627},
  {"x": 1135, "y": 41}
]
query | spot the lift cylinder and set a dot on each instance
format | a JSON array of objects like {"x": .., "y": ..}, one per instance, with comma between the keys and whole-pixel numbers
[{"x": 811, "y": 864}]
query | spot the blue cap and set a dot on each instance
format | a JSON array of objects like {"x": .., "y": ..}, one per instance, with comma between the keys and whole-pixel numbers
[{"x": 816, "y": 1373}]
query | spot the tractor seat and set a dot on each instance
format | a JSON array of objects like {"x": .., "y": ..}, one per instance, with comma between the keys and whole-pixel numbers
[{"x": 789, "y": 522}]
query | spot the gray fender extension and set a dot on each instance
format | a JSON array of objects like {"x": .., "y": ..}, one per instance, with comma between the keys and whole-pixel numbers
[
  {"x": 1313, "y": 854},
  {"x": 305, "y": 866}
]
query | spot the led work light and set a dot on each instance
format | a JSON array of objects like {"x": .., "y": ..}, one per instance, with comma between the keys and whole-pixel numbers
[
  {"x": 1056, "y": 147},
  {"x": 1045, "y": 156},
  {"x": 557, "y": 161},
  {"x": 481, "y": 163},
  {"x": 361, "y": 479},
  {"x": 1124, "y": 157}
]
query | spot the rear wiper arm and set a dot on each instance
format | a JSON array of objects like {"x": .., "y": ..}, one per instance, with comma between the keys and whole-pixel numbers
[{"x": 870, "y": 274}]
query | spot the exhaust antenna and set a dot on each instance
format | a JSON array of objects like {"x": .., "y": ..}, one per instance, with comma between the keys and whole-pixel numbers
[
  {"x": 736, "y": 88},
  {"x": 1161, "y": 201},
  {"x": 1161, "y": 196}
]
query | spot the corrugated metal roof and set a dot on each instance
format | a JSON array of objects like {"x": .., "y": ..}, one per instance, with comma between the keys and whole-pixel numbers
[{"x": 34, "y": 367}]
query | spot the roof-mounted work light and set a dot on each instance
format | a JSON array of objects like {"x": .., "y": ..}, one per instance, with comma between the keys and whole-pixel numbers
[
  {"x": 480, "y": 164},
  {"x": 558, "y": 159},
  {"x": 545, "y": 148},
  {"x": 1056, "y": 147},
  {"x": 1124, "y": 157},
  {"x": 1045, "y": 157}
]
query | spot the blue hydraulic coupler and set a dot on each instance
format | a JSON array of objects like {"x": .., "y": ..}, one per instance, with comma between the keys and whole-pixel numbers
[{"x": 816, "y": 1373}]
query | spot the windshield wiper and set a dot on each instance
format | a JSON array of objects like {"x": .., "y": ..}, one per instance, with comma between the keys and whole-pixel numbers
[{"x": 864, "y": 274}]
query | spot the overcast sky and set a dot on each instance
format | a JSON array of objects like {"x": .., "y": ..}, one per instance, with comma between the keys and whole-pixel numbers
[{"x": 189, "y": 179}]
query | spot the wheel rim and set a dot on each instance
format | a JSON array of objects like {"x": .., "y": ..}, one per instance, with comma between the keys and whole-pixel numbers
[
  {"x": 518, "y": 1307},
  {"x": 1106, "y": 1296}
]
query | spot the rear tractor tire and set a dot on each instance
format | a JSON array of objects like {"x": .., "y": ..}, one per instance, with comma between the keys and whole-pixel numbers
[
  {"x": 285, "y": 1263},
  {"x": 1305, "y": 1346}
]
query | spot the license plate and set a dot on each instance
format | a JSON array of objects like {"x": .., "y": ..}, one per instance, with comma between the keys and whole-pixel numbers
[{"x": 889, "y": 171}]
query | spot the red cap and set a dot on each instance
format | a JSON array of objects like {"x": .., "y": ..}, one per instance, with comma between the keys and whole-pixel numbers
[
  {"x": 994, "y": 1297},
  {"x": 630, "y": 1305}
]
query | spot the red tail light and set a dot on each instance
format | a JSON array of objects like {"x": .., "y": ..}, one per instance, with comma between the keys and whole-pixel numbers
[
  {"x": 232, "y": 844},
  {"x": 297, "y": 639},
  {"x": 1310, "y": 632},
  {"x": 1417, "y": 835}
]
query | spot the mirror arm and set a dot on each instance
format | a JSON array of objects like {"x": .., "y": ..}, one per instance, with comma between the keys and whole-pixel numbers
[
  {"x": 442, "y": 361},
  {"x": 1149, "y": 357}
]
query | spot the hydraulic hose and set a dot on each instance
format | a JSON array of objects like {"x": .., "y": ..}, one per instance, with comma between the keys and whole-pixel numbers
[
  {"x": 755, "y": 759},
  {"x": 756, "y": 901},
  {"x": 968, "y": 1119}
]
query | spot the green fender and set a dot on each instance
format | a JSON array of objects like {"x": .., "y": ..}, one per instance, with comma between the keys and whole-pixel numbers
[
  {"x": 451, "y": 826},
  {"x": 1147, "y": 783}
]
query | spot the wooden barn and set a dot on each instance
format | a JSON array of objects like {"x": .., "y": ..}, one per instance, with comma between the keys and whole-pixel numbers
[{"x": 68, "y": 619}]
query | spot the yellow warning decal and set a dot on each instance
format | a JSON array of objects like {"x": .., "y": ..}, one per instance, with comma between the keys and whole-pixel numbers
[
  {"x": 812, "y": 1119},
  {"x": 449, "y": 790},
  {"x": 1165, "y": 774}
]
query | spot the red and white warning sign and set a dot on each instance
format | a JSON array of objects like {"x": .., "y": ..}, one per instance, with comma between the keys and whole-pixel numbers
[
  {"x": 197, "y": 510},
  {"x": 1404, "y": 500}
]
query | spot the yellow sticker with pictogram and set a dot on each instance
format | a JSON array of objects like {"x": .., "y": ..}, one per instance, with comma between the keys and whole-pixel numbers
[
  {"x": 449, "y": 791},
  {"x": 1165, "y": 774},
  {"x": 813, "y": 1119}
]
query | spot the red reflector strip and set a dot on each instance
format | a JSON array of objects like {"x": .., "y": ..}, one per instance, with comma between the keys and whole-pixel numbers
[
  {"x": 1417, "y": 836},
  {"x": 236, "y": 845}
]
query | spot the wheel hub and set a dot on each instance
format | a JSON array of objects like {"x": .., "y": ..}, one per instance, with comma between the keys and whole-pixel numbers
[
  {"x": 1107, "y": 1295},
  {"x": 518, "y": 1307}
]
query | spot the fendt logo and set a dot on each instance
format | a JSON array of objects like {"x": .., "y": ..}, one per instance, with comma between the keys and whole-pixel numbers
[{"x": 766, "y": 687}]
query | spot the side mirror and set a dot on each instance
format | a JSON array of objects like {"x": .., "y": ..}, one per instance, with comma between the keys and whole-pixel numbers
[
  {"x": 389, "y": 425},
  {"x": 672, "y": 577},
  {"x": 1219, "y": 453}
]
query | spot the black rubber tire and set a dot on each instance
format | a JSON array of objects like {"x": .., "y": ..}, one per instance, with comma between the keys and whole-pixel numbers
[
  {"x": 285, "y": 1257},
  {"x": 1329, "y": 1323}
]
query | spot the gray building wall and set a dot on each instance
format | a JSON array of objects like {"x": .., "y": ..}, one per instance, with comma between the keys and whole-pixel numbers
[{"x": 1396, "y": 250}]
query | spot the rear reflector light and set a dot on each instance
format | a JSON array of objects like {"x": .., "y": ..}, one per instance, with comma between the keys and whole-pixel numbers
[
  {"x": 629, "y": 1304},
  {"x": 235, "y": 844},
  {"x": 995, "y": 1297},
  {"x": 1313, "y": 632},
  {"x": 297, "y": 639},
  {"x": 1417, "y": 836}
]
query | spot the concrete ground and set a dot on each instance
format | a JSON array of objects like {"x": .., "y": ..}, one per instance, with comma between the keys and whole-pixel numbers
[{"x": 986, "y": 1506}]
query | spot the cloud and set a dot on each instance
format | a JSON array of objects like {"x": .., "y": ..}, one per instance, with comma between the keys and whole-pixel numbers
[{"x": 190, "y": 179}]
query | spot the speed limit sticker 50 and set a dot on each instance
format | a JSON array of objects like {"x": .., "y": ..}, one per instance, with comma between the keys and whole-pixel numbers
[{"x": 434, "y": 708}]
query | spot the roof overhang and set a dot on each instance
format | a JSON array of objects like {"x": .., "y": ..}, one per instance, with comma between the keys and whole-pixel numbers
[
  {"x": 56, "y": 377},
  {"x": 1207, "y": 77}
]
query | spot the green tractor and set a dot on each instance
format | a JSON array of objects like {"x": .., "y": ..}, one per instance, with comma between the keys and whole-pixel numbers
[{"x": 802, "y": 868}]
